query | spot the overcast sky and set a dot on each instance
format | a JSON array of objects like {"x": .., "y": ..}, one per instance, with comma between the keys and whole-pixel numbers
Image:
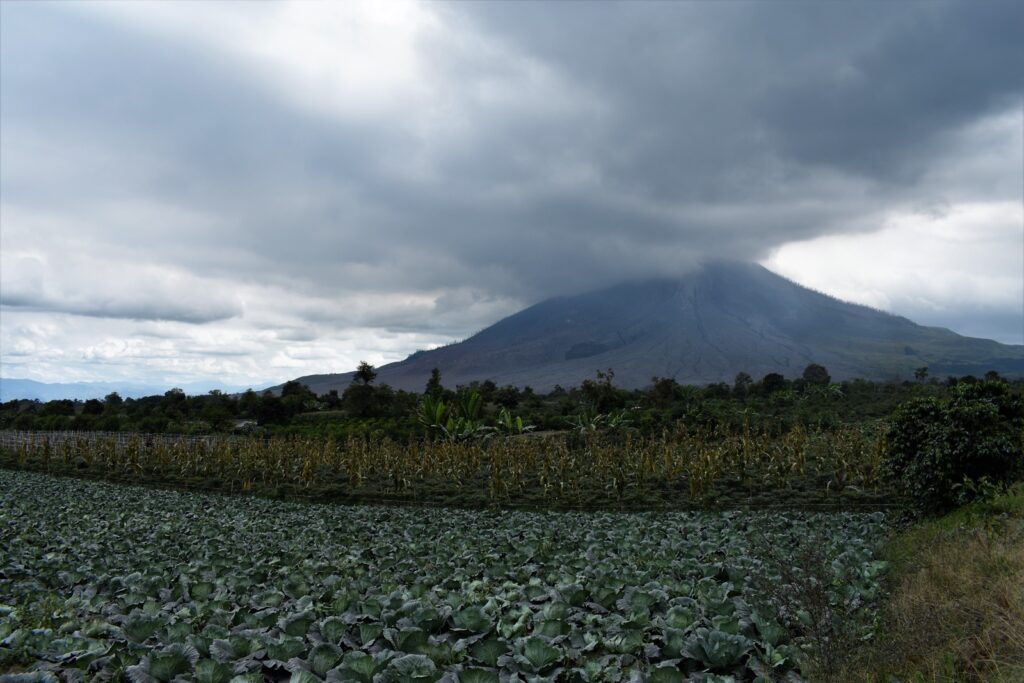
[{"x": 248, "y": 192}]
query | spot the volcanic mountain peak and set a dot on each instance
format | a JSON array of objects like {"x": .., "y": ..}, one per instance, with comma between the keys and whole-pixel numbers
[{"x": 704, "y": 327}]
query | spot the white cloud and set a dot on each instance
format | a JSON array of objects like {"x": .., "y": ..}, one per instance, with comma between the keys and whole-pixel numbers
[
  {"x": 60, "y": 347},
  {"x": 348, "y": 58},
  {"x": 950, "y": 253},
  {"x": 94, "y": 284},
  {"x": 931, "y": 267}
]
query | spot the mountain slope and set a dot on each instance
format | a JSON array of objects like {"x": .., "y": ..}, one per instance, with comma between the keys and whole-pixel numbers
[{"x": 705, "y": 327}]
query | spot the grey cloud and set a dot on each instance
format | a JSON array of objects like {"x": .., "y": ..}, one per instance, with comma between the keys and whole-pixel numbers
[
  {"x": 687, "y": 111},
  {"x": 161, "y": 309},
  {"x": 297, "y": 334},
  {"x": 562, "y": 147},
  {"x": 704, "y": 88},
  {"x": 937, "y": 68}
]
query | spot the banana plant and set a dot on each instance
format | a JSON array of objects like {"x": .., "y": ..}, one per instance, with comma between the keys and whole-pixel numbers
[
  {"x": 589, "y": 421},
  {"x": 512, "y": 425},
  {"x": 460, "y": 422},
  {"x": 433, "y": 414}
]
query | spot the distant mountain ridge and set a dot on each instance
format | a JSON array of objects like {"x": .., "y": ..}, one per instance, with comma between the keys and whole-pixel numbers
[
  {"x": 11, "y": 389},
  {"x": 701, "y": 328}
]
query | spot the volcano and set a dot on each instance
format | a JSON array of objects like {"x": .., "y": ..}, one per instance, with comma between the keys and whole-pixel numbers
[{"x": 702, "y": 328}]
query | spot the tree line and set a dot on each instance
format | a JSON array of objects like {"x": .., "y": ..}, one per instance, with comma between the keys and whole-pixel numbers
[{"x": 770, "y": 403}]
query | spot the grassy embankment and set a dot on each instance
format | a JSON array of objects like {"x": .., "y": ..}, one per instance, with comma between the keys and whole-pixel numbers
[{"x": 956, "y": 607}]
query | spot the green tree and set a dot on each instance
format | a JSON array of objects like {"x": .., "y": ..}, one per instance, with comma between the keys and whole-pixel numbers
[
  {"x": 174, "y": 404},
  {"x": 365, "y": 374},
  {"x": 217, "y": 415},
  {"x": 297, "y": 397},
  {"x": 663, "y": 391},
  {"x": 939, "y": 449},
  {"x": 331, "y": 399},
  {"x": 921, "y": 373},
  {"x": 359, "y": 400},
  {"x": 487, "y": 390},
  {"x": 64, "y": 407},
  {"x": 112, "y": 402},
  {"x": 816, "y": 374},
  {"x": 271, "y": 410},
  {"x": 772, "y": 382},
  {"x": 600, "y": 393},
  {"x": 26, "y": 421},
  {"x": 742, "y": 383},
  {"x": 507, "y": 397},
  {"x": 297, "y": 389},
  {"x": 92, "y": 407},
  {"x": 249, "y": 403},
  {"x": 434, "y": 387}
]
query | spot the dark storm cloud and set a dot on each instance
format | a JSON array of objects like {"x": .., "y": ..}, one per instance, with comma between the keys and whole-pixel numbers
[
  {"x": 701, "y": 89},
  {"x": 697, "y": 129},
  {"x": 536, "y": 149},
  {"x": 935, "y": 69}
]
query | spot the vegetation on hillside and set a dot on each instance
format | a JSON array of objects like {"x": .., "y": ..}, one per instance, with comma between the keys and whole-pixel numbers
[{"x": 771, "y": 404}]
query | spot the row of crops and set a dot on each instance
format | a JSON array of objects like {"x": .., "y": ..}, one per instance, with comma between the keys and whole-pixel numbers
[
  {"x": 102, "y": 582},
  {"x": 679, "y": 470}
]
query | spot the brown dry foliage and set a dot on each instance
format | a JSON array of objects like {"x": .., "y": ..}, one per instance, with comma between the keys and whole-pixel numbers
[{"x": 956, "y": 610}]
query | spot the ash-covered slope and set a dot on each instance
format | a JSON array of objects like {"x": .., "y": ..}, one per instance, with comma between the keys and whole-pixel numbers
[{"x": 705, "y": 327}]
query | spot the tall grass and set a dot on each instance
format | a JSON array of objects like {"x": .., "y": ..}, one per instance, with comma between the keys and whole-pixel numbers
[
  {"x": 956, "y": 608},
  {"x": 563, "y": 470}
]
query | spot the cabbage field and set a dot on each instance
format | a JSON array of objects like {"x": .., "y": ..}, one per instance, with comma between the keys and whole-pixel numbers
[{"x": 100, "y": 581}]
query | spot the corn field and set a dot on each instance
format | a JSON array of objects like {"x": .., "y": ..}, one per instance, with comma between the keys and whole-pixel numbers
[{"x": 680, "y": 470}]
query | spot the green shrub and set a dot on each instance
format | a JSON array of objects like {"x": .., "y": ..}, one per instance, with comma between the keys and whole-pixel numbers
[{"x": 938, "y": 446}]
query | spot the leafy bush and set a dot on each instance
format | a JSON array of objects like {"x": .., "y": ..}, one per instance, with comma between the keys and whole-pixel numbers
[{"x": 938, "y": 446}]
